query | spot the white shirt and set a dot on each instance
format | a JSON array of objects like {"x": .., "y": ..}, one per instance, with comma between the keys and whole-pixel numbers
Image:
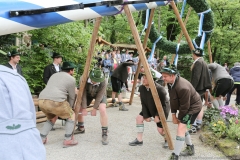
[
  {"x": 14, "y": 67},
  {"x": 196, "y": 60},
  {"x": 56, "y": 67}
]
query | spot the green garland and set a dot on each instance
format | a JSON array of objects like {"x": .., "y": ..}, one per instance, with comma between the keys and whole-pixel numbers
[{"x": 169, "y": 46}]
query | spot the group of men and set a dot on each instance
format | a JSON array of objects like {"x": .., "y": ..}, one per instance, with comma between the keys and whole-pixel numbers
[{"x": 58, "y": 99}]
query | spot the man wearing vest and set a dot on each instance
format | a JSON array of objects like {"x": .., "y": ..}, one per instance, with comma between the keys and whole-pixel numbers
[
  {"x": 200, "y": 80},
  {"x": 95, "y": 89},
  {"x": 50, "y": 69}
]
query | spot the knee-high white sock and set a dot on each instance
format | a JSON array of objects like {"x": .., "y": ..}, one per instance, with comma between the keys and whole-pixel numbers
[
  {"x": 215, "y": 103},
  {"x": 69, "y": 129},
  {"x": 46, "y": 128},
  {"x": 140, "y": 128},
  {"x": 220, "y": 102},
  {"x": 188, "y": 139},
  {"x": 179, "y": 145}
]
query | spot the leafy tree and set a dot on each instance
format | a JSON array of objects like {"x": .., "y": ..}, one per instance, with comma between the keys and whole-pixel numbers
[
  {"x": 71, "y": 40},
  {"x": 225, "y": 41}
]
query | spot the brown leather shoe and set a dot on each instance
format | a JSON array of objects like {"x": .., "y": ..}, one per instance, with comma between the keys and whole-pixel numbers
[
  {"x": 44, "y": 141},
  {"x": 79, "y": 131}
]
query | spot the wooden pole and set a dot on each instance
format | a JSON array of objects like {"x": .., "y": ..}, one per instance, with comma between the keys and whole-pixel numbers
[
  {"x": 184, "y": 30},
  {"x": 139, "y": 63},
  {"x": 83, "y": 80},
  {"x": 181, "y": 34},
  {"x": 209, "y": 51},
  {"x": 148, "y": 74}
]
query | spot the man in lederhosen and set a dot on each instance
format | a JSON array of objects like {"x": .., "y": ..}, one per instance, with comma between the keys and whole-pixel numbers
[
  {"x": 149, "y": 110},
  {"x": 95, "y": 89}
]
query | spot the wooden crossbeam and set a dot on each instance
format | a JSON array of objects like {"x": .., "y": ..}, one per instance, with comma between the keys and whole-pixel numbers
[
  {"x": 209, "y": 51},
  {"x": 139, "y": 63},
  {"x": 184, "y": 30},
  {"x": 83, "y": 80},
  {"x": 181, "y": 34}
]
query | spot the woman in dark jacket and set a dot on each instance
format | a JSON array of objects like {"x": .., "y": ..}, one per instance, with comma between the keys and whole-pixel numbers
[{"x": 235, "y": 73}]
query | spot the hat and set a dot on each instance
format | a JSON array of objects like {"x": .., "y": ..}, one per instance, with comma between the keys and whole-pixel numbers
[
  {"x": 13, "y": 53},
  {"x": 129, "y": 60},
  {"x": 198, "y": 52},
  {"x": 170, "y": 70},
  {"x": 97, "y": 75},
  {"x": 68, "y": 65},
  {"x": 153, "y": 74},
  {"x": 56, "y": 55}
]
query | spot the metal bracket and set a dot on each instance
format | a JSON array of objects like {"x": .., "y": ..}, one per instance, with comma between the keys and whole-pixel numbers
[{"x": 17, "y": 13}]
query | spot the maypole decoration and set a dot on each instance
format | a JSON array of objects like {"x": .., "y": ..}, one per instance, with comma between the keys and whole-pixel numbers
[
  {"x": 206, "y": 23},
  {"x": 18, "y": 16}
]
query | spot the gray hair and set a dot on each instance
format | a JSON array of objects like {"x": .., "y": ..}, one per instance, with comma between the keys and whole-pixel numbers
[{"x": 236, "y": 64}]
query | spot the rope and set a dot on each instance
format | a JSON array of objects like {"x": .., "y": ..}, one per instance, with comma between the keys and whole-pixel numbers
[
  {"x": 120, "y": 11},
  {"x": 180, "y": 37},
  {"x": 175, "y": 57}
]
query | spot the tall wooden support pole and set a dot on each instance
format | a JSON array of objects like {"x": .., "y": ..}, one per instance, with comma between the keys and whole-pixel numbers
[
  {"x": 181, "y": 34},
  {"x": 83, "y": 80},
  {"x": 139, "y": 63},
  {"x": 148, "y": 74},
  {"x": 184, "y": 30},
  {"x": 209, "y": 51}
]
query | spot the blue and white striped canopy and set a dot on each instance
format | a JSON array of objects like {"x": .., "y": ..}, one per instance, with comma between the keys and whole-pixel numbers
[{"x": 16, "y": 24}]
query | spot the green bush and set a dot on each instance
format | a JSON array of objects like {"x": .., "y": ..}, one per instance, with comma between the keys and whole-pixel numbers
[{"x": 210, "y": 115}]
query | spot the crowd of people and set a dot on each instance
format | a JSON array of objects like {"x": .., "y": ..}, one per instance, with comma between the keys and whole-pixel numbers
[{"x": 57, "y": 99}]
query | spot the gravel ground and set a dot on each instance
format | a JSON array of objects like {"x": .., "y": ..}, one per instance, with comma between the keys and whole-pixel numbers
[{"x": 121, "y": 131}]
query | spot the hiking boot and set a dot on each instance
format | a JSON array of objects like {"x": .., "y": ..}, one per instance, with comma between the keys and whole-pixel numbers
[
  {"x": 104, "y": 140},
  {"x": 115, "y": 104},
  {"x": 104, "y": 137},
  {"x": 198, "y": 126},
  {"x": 135, "y": 143},
  {"x": 193, "y": 130},
  {"x": 165, "y": 145},
  {"x": 174, "y": 157},
  {"x": 189, "y": 151},
  {"x": 122, "y": 107},
  {"x": 69, "y": 143},
  {"x": 79, "y": 131}
]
